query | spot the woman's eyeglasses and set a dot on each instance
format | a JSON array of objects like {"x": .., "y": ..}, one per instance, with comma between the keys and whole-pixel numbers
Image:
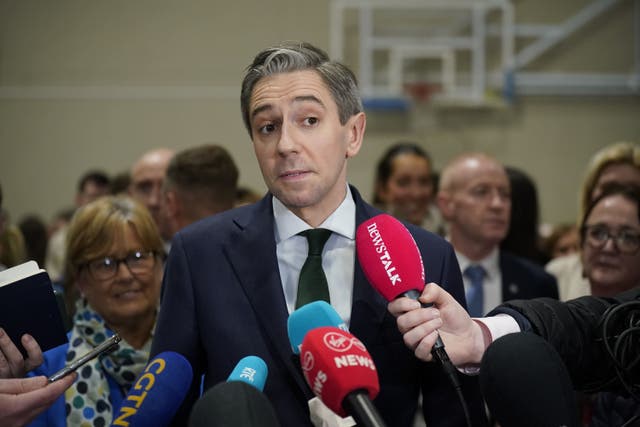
[
  {"x": 138, "y": 262},
  {"x": 626, "y": 240}
]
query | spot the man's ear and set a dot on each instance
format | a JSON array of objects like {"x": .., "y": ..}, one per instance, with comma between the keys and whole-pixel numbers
[
  {"x": 380, "y": 192},
  {"x": 171, "y": 204},
  {"x": 445, "y": 204},
  {"x": 355, "y": 126}
]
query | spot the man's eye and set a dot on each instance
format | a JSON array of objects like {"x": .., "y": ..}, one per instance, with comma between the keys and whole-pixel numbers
[
  {"x": 480, "y": 191},
  {"x": 266, "y": 129},
  {"x": 310, "y": 121},
  {"x": 144, "y": 187}
]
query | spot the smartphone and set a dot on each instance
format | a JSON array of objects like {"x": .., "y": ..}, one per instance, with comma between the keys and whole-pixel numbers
[{"x": 106, "y": 347}]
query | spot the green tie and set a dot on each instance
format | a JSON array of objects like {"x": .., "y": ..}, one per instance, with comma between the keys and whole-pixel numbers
[{"x": 312, "y": 285}]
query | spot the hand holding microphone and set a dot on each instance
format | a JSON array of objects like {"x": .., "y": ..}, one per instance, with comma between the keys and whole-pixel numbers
[{"x": 392, "y": 263}]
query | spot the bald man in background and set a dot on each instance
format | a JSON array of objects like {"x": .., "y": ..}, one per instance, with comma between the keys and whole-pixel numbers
[
  {"x": 147, "y": 178},
  {"x": 475, "y": 201}
]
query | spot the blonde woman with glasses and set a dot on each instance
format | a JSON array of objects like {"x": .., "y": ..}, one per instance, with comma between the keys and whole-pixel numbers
[{"x": 115, "y": 261}]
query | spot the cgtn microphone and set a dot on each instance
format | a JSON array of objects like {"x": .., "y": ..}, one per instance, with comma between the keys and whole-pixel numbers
[
  {"x": 340, "y": 371},
  {"x": 532, "y": 392},
  {"x": 157, "y": 393},
  {"x": 238, "y": 402},
  {"x": 310, "y": 316}
]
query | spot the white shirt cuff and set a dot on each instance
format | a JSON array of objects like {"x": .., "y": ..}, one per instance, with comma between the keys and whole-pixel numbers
[{"x": 498, "y": 326}]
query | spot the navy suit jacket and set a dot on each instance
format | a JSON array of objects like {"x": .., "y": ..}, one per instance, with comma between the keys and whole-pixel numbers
[
  {"x": 222, "y": 300},
  {"x": 522, "y": 279}
]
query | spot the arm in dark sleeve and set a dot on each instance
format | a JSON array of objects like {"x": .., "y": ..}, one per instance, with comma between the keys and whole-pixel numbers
[{"x": 574, "y": 330}]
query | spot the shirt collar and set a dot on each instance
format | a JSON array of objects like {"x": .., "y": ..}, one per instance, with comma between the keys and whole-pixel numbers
[
  {"x": 342, "y": 221},
  {"x": 490, "y": 263}
]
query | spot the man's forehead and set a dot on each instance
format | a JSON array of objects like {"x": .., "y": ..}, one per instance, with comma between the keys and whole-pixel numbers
[
  {"x": 303, "y": 85},
  {"x": 473, "y": 171}
]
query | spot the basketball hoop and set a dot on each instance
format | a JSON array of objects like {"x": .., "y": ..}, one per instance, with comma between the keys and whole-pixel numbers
[{"x": 421, "y": 92}]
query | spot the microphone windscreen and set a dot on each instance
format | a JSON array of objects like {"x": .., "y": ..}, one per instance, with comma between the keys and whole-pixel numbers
[
  {"x": 389, "y": 256},
  {"x": 336, "y": 363},
  {"x": 157, "y": 393},
  {"x": 251, "y": 370},
  {"x": 526, "y": 384},
  {"x": 311, "y": 316},
  {"x": 233, "y": 404}
]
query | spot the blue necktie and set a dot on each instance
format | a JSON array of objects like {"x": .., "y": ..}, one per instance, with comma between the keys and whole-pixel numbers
[
  {"x": 312, "y": 285},
  {"x": 475, "y": 293}
]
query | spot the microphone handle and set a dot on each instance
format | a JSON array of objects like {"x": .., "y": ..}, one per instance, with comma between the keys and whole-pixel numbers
[
  {"x": 414, "y": 294},
  {"x": 440, "y": 354},
  {"x": 437, "y": 351},
  {"x": 359, "y": 406}
]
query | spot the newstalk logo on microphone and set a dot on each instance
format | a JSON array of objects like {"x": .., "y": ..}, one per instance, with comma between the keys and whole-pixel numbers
[{"x": 385, "y": 258}]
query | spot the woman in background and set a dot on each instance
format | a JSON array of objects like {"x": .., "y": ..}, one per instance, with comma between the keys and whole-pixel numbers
[
  {"x": 115, "y": 260},
  {"x": 616, "y": 163},
  {"x": 405, "y": 188},
  {"x": 523, "y": 238}
]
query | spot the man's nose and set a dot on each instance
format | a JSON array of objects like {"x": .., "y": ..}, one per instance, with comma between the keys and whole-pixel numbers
[{"x": 287, "y": 141}]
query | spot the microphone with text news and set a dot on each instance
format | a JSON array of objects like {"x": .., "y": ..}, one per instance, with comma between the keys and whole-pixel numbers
[
  {"x": 340, "y": 371},
  {"x": 238, "y": 402},
  {"x": 392, "y": 263},
  {"x": 535, "y": 391},
  {"x": 157, "y": 393}
]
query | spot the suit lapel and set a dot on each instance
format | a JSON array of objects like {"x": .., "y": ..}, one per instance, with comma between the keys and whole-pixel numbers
[
  {"x": 510, "y": 287},
  {"x": 252, "y": 253},
  {"x": 368, "y": 308}
]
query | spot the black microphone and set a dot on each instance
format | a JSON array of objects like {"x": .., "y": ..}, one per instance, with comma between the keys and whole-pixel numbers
[
  {"x": 233, "y": 404},
  {"x": 238, "y": 402},
  {"x": 526, "y": 384}
]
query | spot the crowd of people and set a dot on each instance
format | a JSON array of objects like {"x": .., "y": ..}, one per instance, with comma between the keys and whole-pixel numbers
[{"x": 227, "y": 261}]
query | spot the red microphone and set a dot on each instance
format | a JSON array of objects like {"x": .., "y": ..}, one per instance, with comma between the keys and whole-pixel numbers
[
  {"x": 390, "y": 257},
  {"x": 392, "y": 263},
  {"x": 340, "y": 371}
]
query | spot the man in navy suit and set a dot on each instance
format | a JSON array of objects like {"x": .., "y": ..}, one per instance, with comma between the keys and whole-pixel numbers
[
  {"x": 231, "y": 280},
  {"x": 475, "y": 200}
]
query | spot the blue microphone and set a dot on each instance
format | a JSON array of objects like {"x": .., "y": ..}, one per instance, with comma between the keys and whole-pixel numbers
[
  {"x": 311, "y": 316},
  {"x": 251, "y": 370},
  {"x": 238, "y": 401},
  {"x": 157, "y": 393}
]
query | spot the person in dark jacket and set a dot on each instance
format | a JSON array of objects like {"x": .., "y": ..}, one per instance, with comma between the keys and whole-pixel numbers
[
  {"x": 574, "y": 328},
  {"x": 610, "y": 240}
]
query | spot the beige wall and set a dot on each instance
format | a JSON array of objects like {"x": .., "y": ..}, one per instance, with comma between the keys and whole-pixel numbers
[{"x": 87, "y": 84}]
